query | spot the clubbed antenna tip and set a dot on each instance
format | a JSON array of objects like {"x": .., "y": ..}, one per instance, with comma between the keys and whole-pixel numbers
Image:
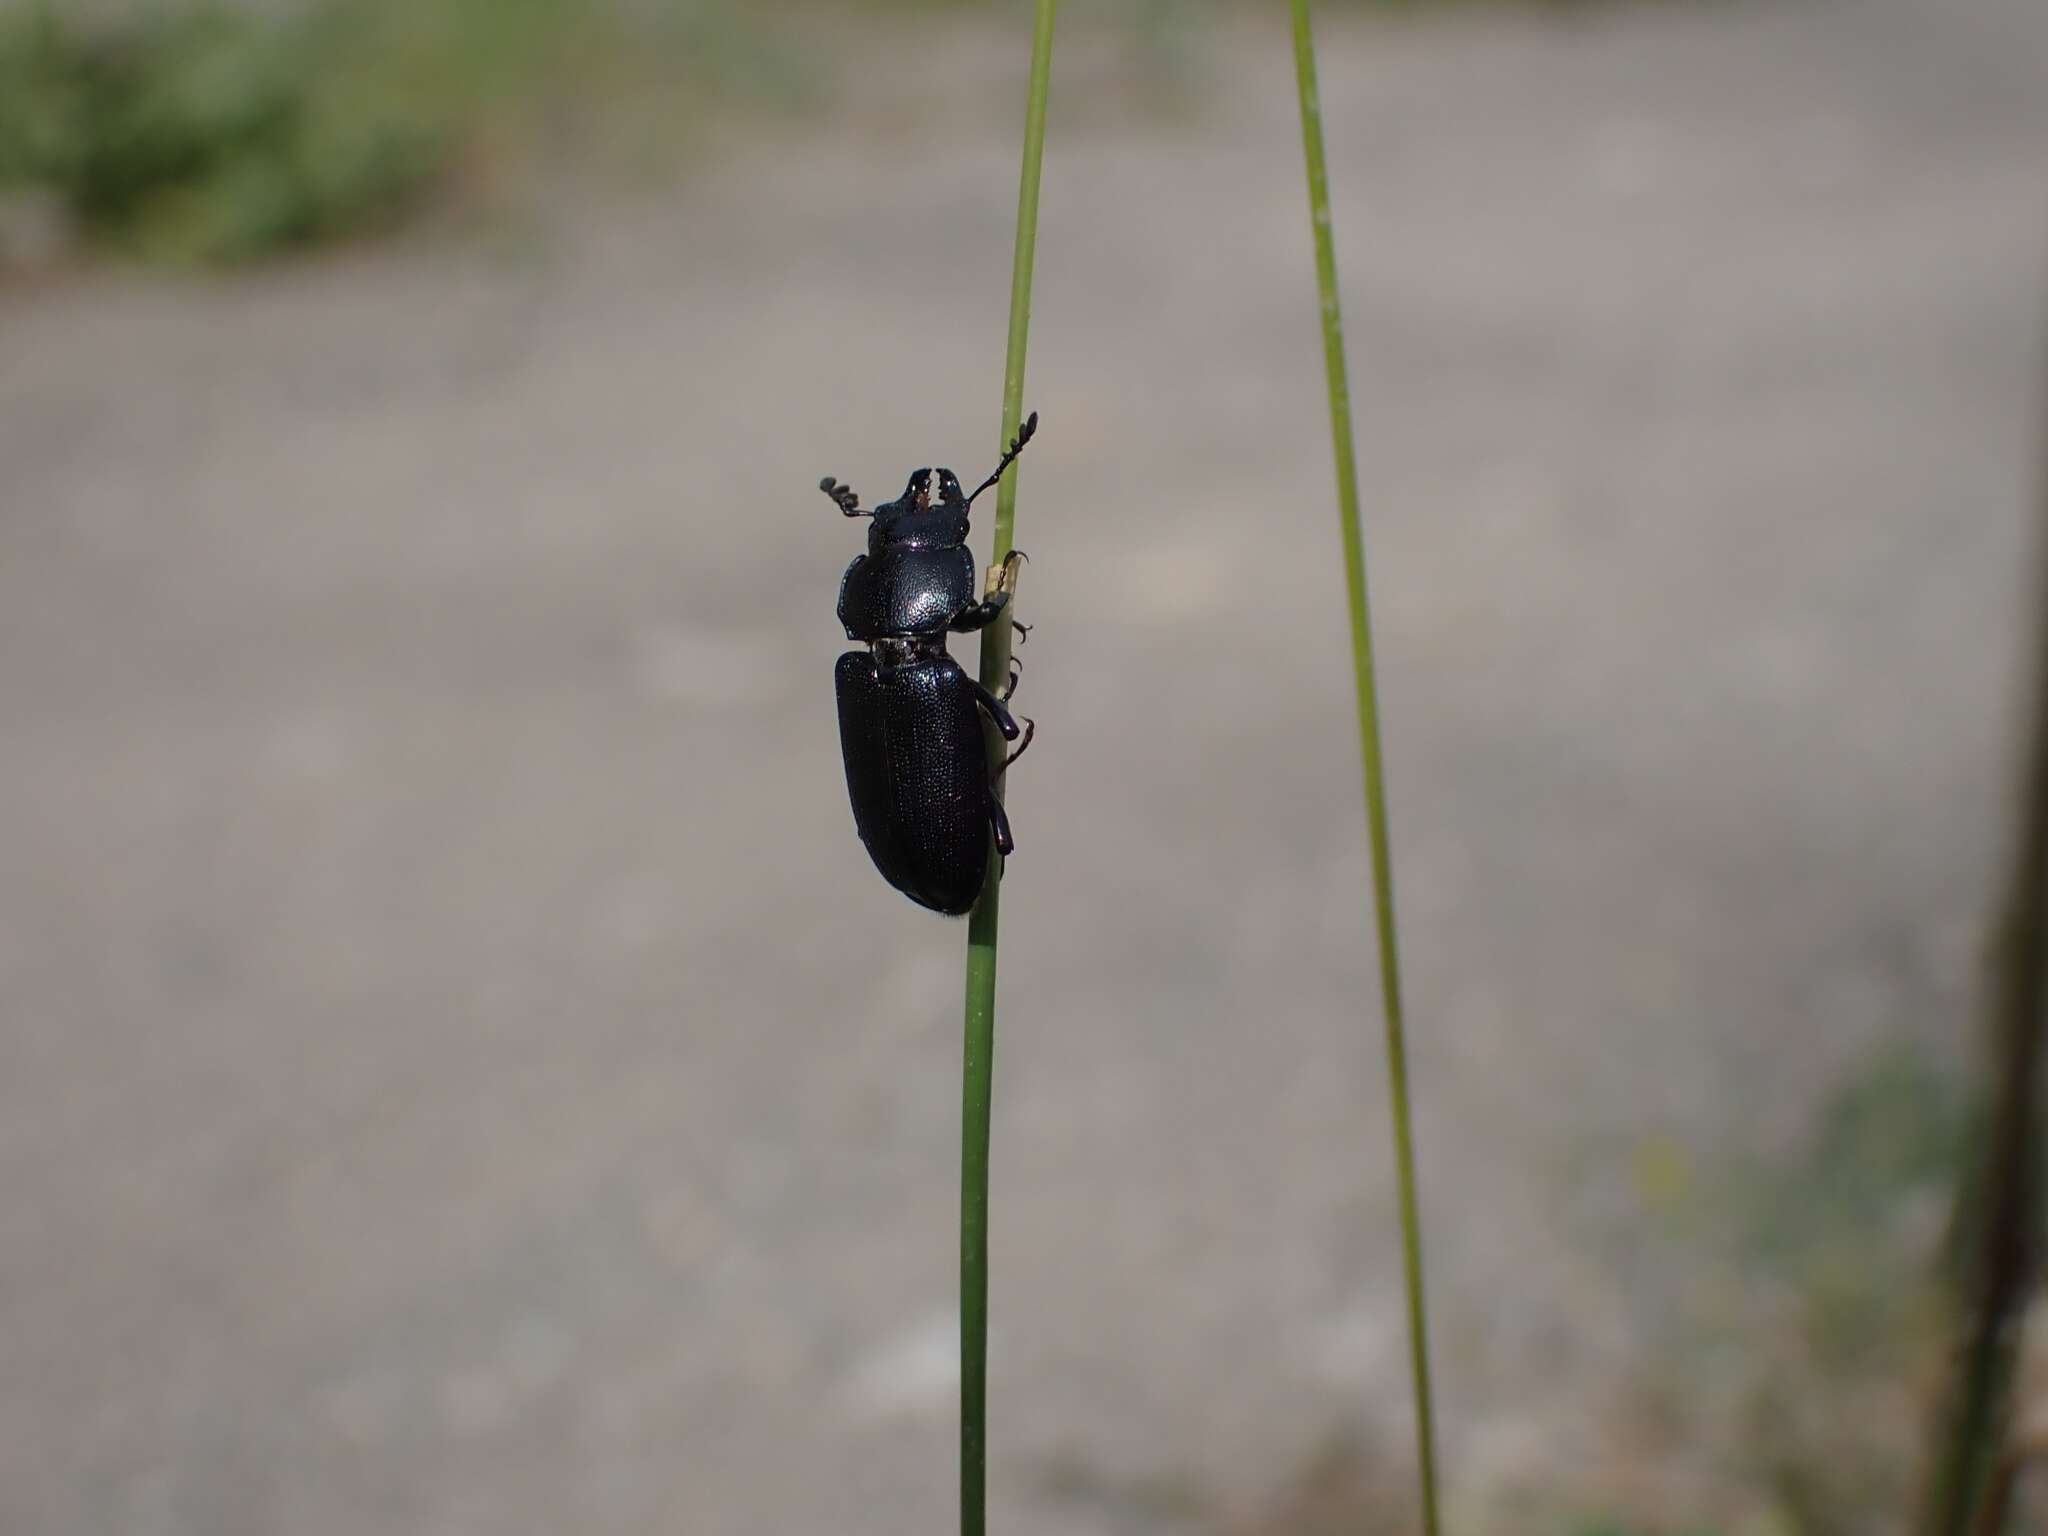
[
  {"x": 1024, "y": 435},
  {"x": 844, "y": 496}
]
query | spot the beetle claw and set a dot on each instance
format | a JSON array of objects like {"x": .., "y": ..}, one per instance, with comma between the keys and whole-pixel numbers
[{"x": 1002, "y": 576}]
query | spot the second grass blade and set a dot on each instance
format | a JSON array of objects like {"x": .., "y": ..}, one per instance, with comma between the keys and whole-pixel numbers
[{"x": 1369, "y": 749}]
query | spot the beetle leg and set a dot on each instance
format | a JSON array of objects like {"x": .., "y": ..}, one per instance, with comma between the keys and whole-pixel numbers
[
  {"x": 979, "y": 615},
  {"x": 1002, "y": 581},
  {"x": 1030, "y": 730},
  {"x": 1010, "y": 686},
  {"x": 1023, "y": 630},
  {"x": 1005, "y": 843},
  {"x": 996, "y": 710}
]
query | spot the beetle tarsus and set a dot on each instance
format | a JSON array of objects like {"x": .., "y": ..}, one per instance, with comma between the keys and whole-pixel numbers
[{"x": 1003, "y": 577}]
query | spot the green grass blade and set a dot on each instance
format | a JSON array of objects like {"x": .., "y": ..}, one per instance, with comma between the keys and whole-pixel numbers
[
  {"x": 980, "y": 1020},
  {"x": 1369, "y": 750}
]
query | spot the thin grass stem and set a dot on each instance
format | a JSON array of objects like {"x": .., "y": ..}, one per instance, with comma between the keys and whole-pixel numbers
[
  {"x": 1369, "y": 750},
  {"x": 980, "y": 1014}
]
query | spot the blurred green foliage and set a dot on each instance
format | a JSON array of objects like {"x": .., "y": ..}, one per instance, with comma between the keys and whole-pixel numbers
[
  {"x": 1886, "y": 1143},
  {"x": 1844, "y": 1229},
  {"x": 199, "y": 131},
  {"x": 1788, "y": 1292},
  {"x": 203, "y": 133}
]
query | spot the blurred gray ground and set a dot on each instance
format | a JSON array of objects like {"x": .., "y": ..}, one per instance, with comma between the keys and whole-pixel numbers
[{"x": 460, "y": 1071}]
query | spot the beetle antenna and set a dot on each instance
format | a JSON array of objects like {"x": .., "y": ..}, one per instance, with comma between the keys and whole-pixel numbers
[
  {"x": 848, "y": 502},
  {"x": 1024, "y": 435}
]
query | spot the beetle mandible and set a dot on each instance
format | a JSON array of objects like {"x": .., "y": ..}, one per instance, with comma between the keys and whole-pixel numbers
[{"x": 917, "y": 767}]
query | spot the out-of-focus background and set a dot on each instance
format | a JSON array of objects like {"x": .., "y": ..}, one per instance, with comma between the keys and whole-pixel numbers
[{"x": 458, "y": 1069}]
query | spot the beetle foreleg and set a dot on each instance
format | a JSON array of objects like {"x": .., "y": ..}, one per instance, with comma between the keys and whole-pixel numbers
[
  {"x": 979, "y": 615},
  {"x": 1002, "y": 582}
]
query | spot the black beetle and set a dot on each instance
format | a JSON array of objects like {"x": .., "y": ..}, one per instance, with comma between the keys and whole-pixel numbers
[{"x": 910, "y": 729}]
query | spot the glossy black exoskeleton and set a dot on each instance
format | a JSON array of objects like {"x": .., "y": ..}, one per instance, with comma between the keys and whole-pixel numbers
[{"x": 917, "y": 767}]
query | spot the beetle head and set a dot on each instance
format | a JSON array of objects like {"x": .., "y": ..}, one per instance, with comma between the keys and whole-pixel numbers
[{"x": 919, "y": 520}]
